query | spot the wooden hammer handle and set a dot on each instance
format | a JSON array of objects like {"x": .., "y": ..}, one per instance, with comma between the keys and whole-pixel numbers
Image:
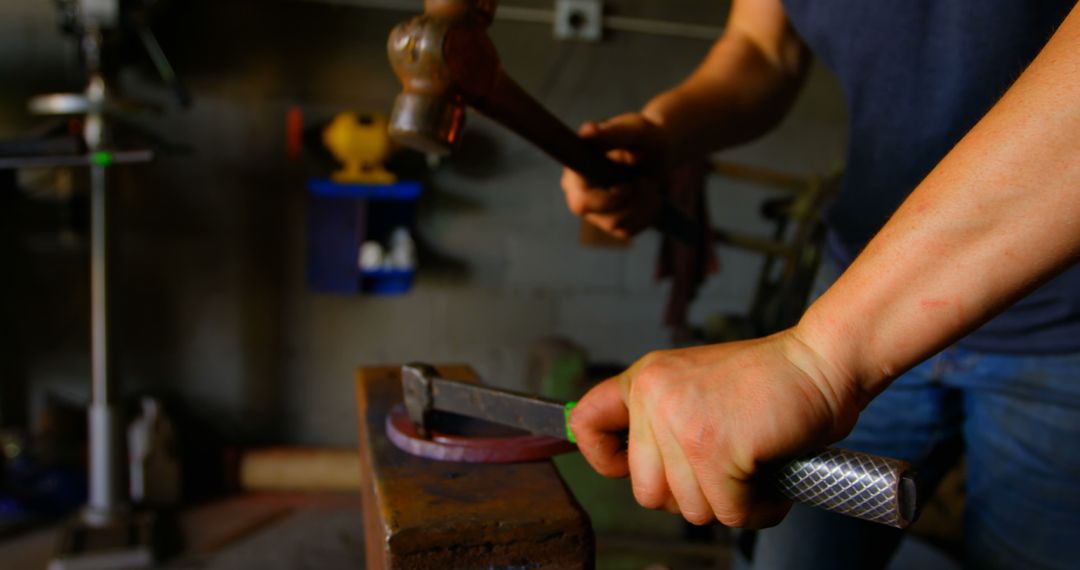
[{"x": 512, "y": 106}]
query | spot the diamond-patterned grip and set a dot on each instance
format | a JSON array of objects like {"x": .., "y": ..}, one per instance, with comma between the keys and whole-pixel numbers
[{"x": 856, "y": 484}]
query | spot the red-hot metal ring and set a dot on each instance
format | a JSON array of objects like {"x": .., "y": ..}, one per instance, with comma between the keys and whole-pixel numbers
[{"x": 446, "y": 447}]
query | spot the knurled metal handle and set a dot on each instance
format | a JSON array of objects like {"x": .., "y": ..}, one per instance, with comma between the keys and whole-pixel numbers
[{"x": 864, "y": 486}]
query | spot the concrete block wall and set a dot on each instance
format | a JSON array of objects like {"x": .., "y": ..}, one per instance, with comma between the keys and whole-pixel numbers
[{"x": 210, "y": 246}]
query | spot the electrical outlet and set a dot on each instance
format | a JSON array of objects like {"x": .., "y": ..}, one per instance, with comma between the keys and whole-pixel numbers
[{"x": 579, "y": 20}]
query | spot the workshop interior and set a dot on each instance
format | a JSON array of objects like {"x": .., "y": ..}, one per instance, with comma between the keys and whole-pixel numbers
[{"x": 275, "y": 269}]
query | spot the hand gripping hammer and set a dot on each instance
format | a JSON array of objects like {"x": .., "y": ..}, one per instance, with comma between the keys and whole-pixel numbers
[{"x": 446, "y": 62}]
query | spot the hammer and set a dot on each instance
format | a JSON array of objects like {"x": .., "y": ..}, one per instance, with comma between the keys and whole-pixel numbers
[{"x": 446, "y": 61}]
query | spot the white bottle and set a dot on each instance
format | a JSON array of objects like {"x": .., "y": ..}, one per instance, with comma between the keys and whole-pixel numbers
[
  {"x": 402, "y": 253},
  {"x": 154, "y": 469},
  {"x": 371, "y": 256}
]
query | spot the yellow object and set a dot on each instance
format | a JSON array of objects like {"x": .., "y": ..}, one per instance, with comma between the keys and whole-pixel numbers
[{"x": 361, "y": 144}]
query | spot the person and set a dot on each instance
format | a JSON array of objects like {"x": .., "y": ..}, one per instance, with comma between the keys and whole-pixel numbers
[{"x": 961, "y": 198}]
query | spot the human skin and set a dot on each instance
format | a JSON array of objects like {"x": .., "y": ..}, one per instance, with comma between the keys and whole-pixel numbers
[{"x": 995, "y": 218}]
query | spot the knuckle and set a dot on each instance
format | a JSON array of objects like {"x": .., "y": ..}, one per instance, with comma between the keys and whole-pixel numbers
[
  {"x": 604, "y": 223},
  {"x": 620, "y": 225},
  {"x": 575, "y": 202},
  {"x": 651, "y": 362},
  {"x": 697, "y": 442},
  {"x": 670, "y": 404},
  {"x": 570, "y": 180},
  {"x": 601, "y": 466},
  {"x": 599, "y": 461},
  {"x": 590, "y": 456},
  {"x": 732, "y": 519},
  {"x": 650, "y": 357},
  {"x": 649, "y": 497},
  {"x": 653, "y": 372},
  {"x": 697, "y": 517}
]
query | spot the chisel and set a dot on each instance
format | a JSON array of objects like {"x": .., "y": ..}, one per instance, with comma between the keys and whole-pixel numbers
[{"x": 868, "y": 487}]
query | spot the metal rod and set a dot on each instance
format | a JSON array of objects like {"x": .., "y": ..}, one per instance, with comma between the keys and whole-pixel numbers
[
  {"x": 662, "y": 28},
  {"x": 53, "y": 161},
  {"x": 104, "y": 489},
  {"x": 763, "y": 175},
  {"x": 98, "y": 282},
  {"x": 104, "y": 453},
  {"x": 545, "y": 16}
]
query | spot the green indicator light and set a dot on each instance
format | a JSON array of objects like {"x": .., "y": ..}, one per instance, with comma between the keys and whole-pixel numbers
[
  {"x": 566, "y": 415},
  {"x": 101, "y": 158}
]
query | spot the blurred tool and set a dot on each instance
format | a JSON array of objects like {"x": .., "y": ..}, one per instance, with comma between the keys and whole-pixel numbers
[
  {"x": 360, "y": 142},
  {"x": 445, "y": 61},
  {"x": 875, "y": 489}
]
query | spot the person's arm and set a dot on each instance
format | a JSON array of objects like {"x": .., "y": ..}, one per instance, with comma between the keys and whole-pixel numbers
[
  {"x": 742, "y": 89},
  {"x": 999, "y": 215}
]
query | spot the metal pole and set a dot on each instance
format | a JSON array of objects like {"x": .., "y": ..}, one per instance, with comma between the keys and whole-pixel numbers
[
  {"x": 104, "y": 492},
  {"x": 104, "y": 489}
]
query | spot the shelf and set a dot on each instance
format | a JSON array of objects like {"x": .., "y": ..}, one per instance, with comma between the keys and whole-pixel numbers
[
  {"x": 405, "y": 190},
  {"x": 341, "y": 217},
  {"x": 386, "y": 281}
]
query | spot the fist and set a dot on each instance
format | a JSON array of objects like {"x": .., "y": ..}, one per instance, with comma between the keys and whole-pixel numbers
[
  {"x": 624, "y": 209},
  {"x": 706, "y": 422}
]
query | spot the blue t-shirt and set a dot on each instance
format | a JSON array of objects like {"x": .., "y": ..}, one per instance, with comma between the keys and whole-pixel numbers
[{"x": 918, "y": 74}]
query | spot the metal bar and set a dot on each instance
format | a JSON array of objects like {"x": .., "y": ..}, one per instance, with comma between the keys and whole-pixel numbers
[
  {"x": 753, "y": 243},
  {"x": 526, "y": 15},
  {"x": 544, "y": 16},
  {"x": 662, "y": 28},
  {"x": 117, "y": 157},
  {"x": 763, "y": 175},
  {"x": 104, "y": 485},
  {"x": 98, "y": 282},
  {"x": 530, "y": 413}
]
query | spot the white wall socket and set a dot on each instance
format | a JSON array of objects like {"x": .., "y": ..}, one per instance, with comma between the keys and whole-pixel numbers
[{"x": 579, "y": 20}]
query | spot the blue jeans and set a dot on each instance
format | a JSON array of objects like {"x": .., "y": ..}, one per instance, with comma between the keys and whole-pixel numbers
[{"x": 1017, "y": 418}]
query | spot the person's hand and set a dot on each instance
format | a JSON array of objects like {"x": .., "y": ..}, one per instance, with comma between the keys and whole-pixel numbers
[
  {"x": 624, "y": 209},
  {"x": 704, "y": 422}
]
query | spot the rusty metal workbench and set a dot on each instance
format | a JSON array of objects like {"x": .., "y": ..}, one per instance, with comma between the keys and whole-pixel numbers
[{"x": 427, "y": 514}]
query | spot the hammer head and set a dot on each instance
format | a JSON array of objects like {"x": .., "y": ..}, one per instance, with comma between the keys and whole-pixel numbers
[
  {"x": 438, "y": 56},
  {"x": 416, "y": 386}
]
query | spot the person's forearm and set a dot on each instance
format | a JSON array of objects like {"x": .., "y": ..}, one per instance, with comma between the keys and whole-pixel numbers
[
  {"x": 742, "y": 89},
  {"x": 997, "y": 217}
]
